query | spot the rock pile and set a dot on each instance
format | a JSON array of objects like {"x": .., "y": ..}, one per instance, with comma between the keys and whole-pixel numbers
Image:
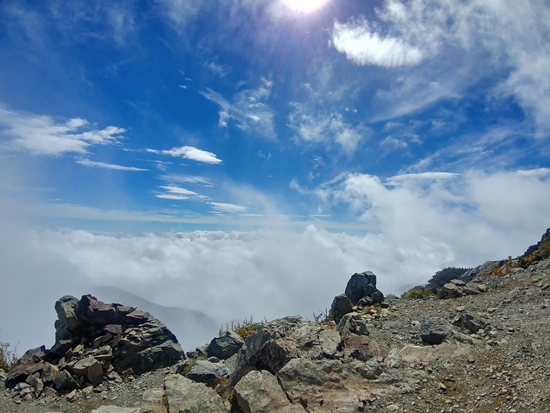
[
  {"x": 360, "y": 291},
  {"x": 95, "y": 343}
]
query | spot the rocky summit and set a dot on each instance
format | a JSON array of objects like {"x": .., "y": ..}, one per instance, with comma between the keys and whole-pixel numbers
[{"x": 482, "y": 345}]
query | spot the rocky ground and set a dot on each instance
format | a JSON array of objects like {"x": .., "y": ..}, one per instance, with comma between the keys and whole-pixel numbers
[{"x": 494, "y": 357}]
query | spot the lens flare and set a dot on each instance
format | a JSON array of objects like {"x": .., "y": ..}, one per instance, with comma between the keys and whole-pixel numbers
[{"x": 305, "y": 6}]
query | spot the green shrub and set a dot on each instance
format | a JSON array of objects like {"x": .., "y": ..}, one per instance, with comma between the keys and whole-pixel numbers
[
  {"x": 244, "y": 329},
  {"x": 419, "y": 293}
]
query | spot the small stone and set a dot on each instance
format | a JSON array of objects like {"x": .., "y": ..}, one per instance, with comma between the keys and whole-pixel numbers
[
  {"x": 442, "y": 387},
  {"x": 71, "y": 396},
  {"x": 481, "y": 287}
]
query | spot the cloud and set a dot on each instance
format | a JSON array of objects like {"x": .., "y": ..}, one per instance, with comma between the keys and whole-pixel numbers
[
  {"x": 179, "y": 194},
  {"x": 187, "y": 179},
  {"x": 448, "y": 211},
  {"x": 455, "y": 45},
  {"x": 248, "y": 110},
  {"x": 87, "y": 162},
  {"x": 189, "y": 152},
  {"x": 220, "y": 70},
  {"x": 223, "y": 207},
  {"x": 44, "y": 135},
  {"x": 365, "y": 48},
  {"x": 324, "y": 128}
]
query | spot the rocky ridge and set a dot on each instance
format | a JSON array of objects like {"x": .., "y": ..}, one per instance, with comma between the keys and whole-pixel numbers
[{"x": 481, "y": 352}]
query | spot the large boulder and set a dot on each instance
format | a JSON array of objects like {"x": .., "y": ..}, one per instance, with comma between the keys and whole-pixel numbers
[
  {"x": 434, "y": 330},
  {"x": 186, "y": 396},
  {"x": 225, "y": 346},
  {"x": 274, "y": 344},
  {"x": 361, "y": 289},
  {"x": 341, "y": 305},
  {"x": 259, "y": 391},
  {"x": 203, "y": 371}
]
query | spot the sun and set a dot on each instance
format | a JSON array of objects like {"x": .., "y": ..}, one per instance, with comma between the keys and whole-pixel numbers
[{"x": 305, "y": 6}]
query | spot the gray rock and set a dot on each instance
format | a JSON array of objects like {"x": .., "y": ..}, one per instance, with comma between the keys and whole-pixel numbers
[
  {"x": 259, "y": 391},
  {"x": 186, "y": 396},
  {"x": 66, "y": 321},
  {"x": 341, "y": 305},
  {"x": 472, "y": 324},
  {"x": 362, "y": 348},
  {"x": 365, "y": 302},
  {"x": 203, "y": 371},
  {"x": 274, "y": 344},
  {"x": 377, "y": 297},
  {"x": 360, "y": 285},
  {"x": 434, "y": 330},
  {"x": 3, "y": 375},
  {"x": 64, "y": 381},
  {"x": 225, "y": 346},
  {"x": 450, "y": 290},
  {"x": 89, "y": 367},
  {"x": 352, "y": 324}
]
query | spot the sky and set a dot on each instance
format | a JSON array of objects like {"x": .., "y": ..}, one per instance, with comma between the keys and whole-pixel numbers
[{"x": 246, "y": 157}]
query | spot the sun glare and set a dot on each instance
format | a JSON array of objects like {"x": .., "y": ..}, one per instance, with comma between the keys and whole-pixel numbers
[{"x": 305, "y": 6}]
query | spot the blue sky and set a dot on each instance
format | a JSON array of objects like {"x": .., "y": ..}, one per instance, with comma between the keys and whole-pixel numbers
[{"x": 395, "y": 136}]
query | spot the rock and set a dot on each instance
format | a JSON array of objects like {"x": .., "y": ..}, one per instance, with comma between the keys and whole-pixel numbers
[
  {"x": 449, "y": 290},
  {"x": 259, "y": 391},
  {"x": 64, "y": 381},
  {"x": 434, "y": 330},
  {"x": 362, "y": 348},
  {"x": 3, "y": 375},
  {"x": 360, "y": 285},
  {"x": 473, "y": 325},
  {"x": 66, "y": 321},
  {"x": 89, "y": 367},
  {"x": 116, "y": 409},
  {"x": 92, "y": 338},
  {"x": 225, "y": 346},
  {"x": 204, "y": 371},
  {"x": 365, "y": 302},
  {"x": 186, "y": 396},
  {"x": 274, "y": 344},
  {"x": 352, "y": 323},
  {"x": 482, "y": 287},
  {"x": 341, "y": 305},
  {"x": 377, "y": 297}
]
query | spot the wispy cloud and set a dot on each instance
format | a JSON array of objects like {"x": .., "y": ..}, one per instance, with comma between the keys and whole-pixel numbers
[
  {"x": 87, "y": 162},
  {"x": 219, "y": 70},
  {"x": 326, "y": 128},
  {"x": 363, "y": 47},
  {"x": 223, "y": 207},
  {"x": 179, "y": 194},
  {"x": 248, "y": 109},
  {"x": 189, "y": 152},
  {"x": 187, "y": 179},
  {"x": 44, "y": 135}
]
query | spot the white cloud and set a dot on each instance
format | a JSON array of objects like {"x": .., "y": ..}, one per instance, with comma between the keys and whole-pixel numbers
[
  {"x": 189, "y": 152},
  {"x": 457, "y": 44},
  {"x": 223, "y": 207},
  {"x": 87, "y": 162},
  {"x": 180, "y": 194},
  {"x": 366, "y": 48},
  {"x": 449, "y": 211},
  {"x": 187, "y": 179},
  {"x": 420, "y": 176},
  {"x": 220, "y": 70},
  {"x": 326, "y": 128},
  {"x": 183, "y": 86},
  {"x": 44, "y": 135},
  {"x": 248, "y": 110}
]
